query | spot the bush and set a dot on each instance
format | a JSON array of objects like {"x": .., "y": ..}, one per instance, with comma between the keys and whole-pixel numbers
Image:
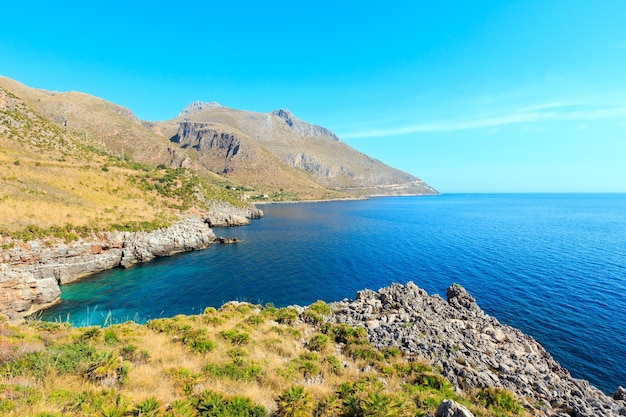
[
  {"x": 498, "y": 400},
  {"x": 148, "y": 407},
  {"x": 315, "y": 313},
  {"x": 342, "y": 333},
  {"x": 212, "y": 404},
  {"x": 318, "y": 342},
  {"x": 287, "y": 315},
  {"x": 236, "y": 337},
  {"x": 197, "y": 341},
  {"x": 295, "y": 402},
  {"x": 237, "y": 370}
]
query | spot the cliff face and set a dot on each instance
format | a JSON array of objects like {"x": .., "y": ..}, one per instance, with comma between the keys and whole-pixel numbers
[
  {"x": 472, "y": 349},
  {"x": 302, "y": 128},
  {"x": 31, "y": 272}
]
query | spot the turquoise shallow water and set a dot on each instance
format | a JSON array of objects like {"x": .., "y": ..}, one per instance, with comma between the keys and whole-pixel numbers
[{"x": 552, "y": 265}]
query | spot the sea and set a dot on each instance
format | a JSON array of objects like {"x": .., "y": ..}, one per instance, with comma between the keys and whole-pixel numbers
[{"x": 552, "y": 265}]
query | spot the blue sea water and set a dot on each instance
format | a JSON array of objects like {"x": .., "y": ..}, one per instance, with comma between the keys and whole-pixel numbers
[{"x": 552, "y": 265}]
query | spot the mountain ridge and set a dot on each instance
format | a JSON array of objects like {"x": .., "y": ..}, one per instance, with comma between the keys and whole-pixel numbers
[{"x": 288, "y": 157}]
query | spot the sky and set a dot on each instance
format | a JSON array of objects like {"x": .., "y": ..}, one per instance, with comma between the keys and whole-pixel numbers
[{"x": 481, "y": 96}]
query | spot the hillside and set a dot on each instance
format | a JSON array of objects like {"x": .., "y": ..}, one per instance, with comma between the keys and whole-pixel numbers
[
  {"x": 240, "y": 360},
  {"x": 273, "y": 155},
  {"x": 52, "y": 177}
]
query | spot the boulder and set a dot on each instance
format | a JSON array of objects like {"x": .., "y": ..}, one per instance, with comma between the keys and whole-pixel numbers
[{"x": 450, "y": 408}]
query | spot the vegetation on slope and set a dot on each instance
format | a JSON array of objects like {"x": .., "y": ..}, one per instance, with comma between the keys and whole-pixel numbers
[
  {"x": 240, "y": 360},
  {"x": 53, "y": 183}
]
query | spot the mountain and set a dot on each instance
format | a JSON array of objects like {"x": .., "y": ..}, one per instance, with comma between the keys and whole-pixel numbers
[
  {"x": 253, "y": 148},
  {"x": 274, "y": 156}
]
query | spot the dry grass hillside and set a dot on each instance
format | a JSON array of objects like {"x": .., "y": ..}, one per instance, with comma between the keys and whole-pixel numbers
[
  {"x": 50, "y": 177},
  {"x": 241, "y": 360}
]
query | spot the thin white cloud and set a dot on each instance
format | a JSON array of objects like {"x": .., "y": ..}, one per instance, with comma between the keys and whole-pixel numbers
[{"x": 534, "y": 114}]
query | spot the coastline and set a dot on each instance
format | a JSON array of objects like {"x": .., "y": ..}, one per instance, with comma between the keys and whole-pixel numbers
[
  {"x": 472, "y": 349},
  {"x": 330, "y": 200},
  {"x": 31, "y": 273}
]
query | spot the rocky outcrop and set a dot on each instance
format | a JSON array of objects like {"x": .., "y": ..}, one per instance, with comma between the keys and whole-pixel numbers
[
  {"x": 198, "y": 106},
  {"x": 449, "y": 408},
  {"x": 205, "y": 136},
  {"x": 31, "y": 272},
  {"x": 222, "y": 214},
  {"x": 301, "y": 127},
  {"x": 472, "y": 349}
]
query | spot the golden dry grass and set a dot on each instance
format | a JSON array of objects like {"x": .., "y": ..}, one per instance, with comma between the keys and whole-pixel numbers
[
  {"x": 47, "y": 193},
  {"x": 176, "y": 367}
]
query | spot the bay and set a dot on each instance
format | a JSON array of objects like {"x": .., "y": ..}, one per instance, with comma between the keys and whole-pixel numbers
[{"x": 552, "y": 265}]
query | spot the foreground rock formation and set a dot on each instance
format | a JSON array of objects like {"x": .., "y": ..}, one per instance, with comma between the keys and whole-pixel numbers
[
  {"x": 31, "y": 272},
  {"x": 472, "y": 349}
]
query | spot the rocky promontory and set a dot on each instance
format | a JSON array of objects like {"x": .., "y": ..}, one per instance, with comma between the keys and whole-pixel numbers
[
  {"x": 31, "y": 272},
  {"x": 472, "y": 349}
]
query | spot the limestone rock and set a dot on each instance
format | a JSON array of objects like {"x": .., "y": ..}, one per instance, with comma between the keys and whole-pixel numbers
[
  {"x": 31, "y": 272},
  {"x": 470, "y": 348},
  {"x": 222, "y": 214},
  {"x": 459, "y": 298},
  {"x": 450, "y": 408},
  {"x": 301, "y": 127}
]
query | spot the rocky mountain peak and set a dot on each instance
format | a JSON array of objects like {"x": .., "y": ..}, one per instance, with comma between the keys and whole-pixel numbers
[
  {"x": 198, "y": 106},
  {"x": 301, "y": 127}
]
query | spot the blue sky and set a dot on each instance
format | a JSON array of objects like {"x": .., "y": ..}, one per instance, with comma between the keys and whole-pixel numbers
[{"x": 489, "y": 96}]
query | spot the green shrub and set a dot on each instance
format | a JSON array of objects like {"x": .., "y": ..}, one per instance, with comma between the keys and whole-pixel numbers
[
  {"x": 185, "y": 379},
  {"x": 72, "y": 358},
  {"x": 236, "y": 337},
  {"x": 148, "y": 407},
  {"x": 333, "y": 364},
  {"x": 318, "y": 342},
  {"x": 110, "y": 337},
  {"x": 212, "y": 404},
  {"x": 180, "y": 408},
  {"x": 107, "y": 369},
  {"x": 295, "y": 402},
  {"x": 343, "y": 333},
  {"x": 237, "y": 370},
  {"x": 315, "y": 313},
  {"x": 498, "y": 400},
  {"x": 197, "y": 341},
  {"x": 130, "y": 353},
  {"x": 287, "y": 315},
  {"x": 36, "y": 364},
  {"x": 255, "y": 320}
]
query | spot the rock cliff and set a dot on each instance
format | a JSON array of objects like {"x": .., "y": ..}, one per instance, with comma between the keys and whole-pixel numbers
[
  {"x": 472, "y": 349},
  {"x": 31, "y": 272},
  {"x": 303, "y": 128}
]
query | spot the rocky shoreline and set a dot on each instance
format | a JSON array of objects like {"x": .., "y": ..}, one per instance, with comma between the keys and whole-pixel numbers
[
  {"x": 31, "y": 272},
  {"x": 470, "y": 348},
  {"x": 474, "y": 350}
]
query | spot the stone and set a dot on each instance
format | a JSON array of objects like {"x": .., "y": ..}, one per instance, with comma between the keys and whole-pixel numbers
[
  {"x": 449, "y": 408},
  {"x": 31, "y": 272},
  {"x": 471, "y": 349},
  {"x": 620, "y": 394}
]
